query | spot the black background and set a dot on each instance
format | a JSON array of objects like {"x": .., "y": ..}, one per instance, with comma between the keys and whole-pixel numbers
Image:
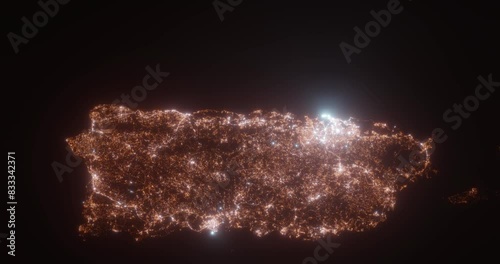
[{"x": 264, "y": 55}]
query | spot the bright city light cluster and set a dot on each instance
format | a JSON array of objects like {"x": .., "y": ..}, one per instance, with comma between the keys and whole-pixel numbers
[{"x": 156, "y": 172}]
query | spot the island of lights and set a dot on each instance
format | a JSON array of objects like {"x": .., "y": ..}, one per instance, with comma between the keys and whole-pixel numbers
[{"x": 155, "y": 172}]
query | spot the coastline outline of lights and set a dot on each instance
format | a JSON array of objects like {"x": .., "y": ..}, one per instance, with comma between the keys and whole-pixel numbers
[{"x": 155, "y": 172}]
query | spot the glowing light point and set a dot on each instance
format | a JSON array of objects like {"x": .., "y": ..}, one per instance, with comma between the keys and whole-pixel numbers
[{"x": 326, "y": 116}]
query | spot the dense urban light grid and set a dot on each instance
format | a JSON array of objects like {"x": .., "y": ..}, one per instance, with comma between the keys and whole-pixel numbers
[{"x": 156, "y": 172}]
